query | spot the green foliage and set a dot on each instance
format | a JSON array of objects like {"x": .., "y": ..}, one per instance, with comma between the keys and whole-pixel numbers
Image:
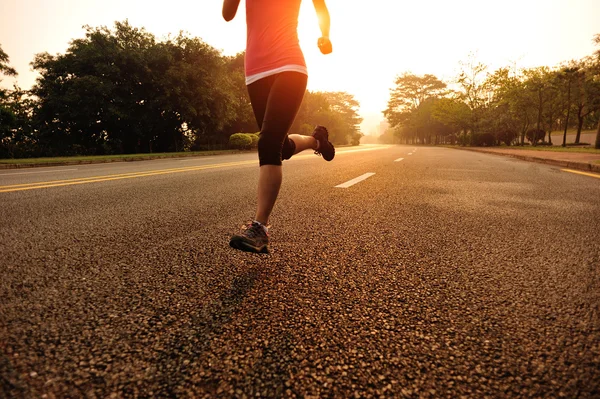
[
  {"x": 409, "y": 93},
  {"x": 240, "y": 141},
  {"x": 505, "y": 104},
  {"x": 122, "y": 91},
  {"x": 254, "y": 137},
  {"x": 244, "y": 120},
  {"x": 338, "y": 111}
]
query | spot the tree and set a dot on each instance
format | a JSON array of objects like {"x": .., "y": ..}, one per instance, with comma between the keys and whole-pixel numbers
[
  {"x": 568, "y": 74},
  {"x": 410, "y": 91},
  {"x": 122, "y": 91},
  {"x": 8, "y": 119},
  {"x": 346, "y": 106},
  {"x": 5, "y": 68},
  {"x": 538, "y": 82},
  {"x": 511, "y": 106},
  {"x": 471, "y": 80},
  {"x": 338, "y": 111},
  {"x": 596, "y": 77},
  {"x": 453, "y": 113},
  {"x": 243, "y": 116},
  {"x": 586, "y": 92}
]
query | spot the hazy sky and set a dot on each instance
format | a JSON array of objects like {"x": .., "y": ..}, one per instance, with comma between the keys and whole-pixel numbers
[{"x": 373, "y": 40}]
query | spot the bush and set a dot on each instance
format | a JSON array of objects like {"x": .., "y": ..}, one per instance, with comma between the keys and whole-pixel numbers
[
  {"x": 355, "y": 138},
  {"x": 506, "y": 136},
  {"x": 535, "y": 135},
  {"x": 254, "y": 137},
  {"x": 240, "y": 141},
  {"x": 484, "y": 140}
]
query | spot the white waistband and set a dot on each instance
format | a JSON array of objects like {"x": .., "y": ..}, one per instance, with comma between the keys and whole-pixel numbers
[{"x": 286, "y": 68}]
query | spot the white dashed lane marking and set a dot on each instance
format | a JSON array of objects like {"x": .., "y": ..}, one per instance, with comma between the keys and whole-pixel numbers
[{"x": 352, "y": 182}]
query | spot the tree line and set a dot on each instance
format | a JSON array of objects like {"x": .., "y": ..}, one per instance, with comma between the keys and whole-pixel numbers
[
  {"x": 122, "y": 90},
  {"x": 507, "y": 106}
]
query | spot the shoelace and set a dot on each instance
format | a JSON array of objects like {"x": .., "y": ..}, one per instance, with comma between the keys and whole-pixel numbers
[{"x": 254, "y": 230}]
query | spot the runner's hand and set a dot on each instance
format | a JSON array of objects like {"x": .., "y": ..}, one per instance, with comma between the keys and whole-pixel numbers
[{"x": 325, "y": 45}]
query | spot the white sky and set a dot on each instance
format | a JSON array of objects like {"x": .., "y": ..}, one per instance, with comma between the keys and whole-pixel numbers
[{"x": 373, "y": 40}]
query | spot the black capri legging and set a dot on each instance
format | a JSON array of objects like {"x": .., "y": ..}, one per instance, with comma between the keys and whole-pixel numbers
[{"x": 276, "y": 100}]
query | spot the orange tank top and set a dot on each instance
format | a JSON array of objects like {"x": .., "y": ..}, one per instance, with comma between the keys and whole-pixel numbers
[{"x": 272, "y": 44}]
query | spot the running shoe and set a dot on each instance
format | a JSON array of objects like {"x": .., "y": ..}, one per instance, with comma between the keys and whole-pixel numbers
[
  {"x": 325, "y": 147},
  {"x": 252, "y": 238}
]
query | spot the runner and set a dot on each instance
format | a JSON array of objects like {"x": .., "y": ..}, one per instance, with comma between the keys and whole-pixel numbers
[{"x": 276, "y": 78}]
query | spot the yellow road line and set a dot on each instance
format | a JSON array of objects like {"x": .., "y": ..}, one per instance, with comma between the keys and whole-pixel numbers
[
  {"x": 95, "y": 179},
  {"x": 597, "y": 176}
]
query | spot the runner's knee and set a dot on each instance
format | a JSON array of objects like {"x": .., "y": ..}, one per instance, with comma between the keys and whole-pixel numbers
[{"x": 269, "y": 149}]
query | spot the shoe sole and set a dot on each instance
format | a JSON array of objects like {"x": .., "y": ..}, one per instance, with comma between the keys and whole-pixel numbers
[{"x": 244, "y": 246}]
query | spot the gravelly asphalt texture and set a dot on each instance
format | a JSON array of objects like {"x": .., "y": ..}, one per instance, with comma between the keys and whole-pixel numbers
[{"x": 448, "y": 274}]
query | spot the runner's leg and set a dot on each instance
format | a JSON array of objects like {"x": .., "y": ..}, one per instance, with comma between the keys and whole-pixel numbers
[{"x": 283, "y": 93}]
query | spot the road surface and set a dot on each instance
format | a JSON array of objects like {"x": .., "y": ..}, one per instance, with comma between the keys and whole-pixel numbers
[{"x": 438, "y": 273}]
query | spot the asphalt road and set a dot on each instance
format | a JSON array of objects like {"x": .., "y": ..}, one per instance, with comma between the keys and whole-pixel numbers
[{"x": 445, "y": 274}]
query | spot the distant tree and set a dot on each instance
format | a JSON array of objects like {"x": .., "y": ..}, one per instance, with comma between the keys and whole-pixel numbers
[
  {"x": 453, "y": 113},
  {"x": 409, "y": 92},
  {"x": 568, "y": 74},
  {"x": 512, "y": 105},
  {"x": 346, "y": 106},
  {"x": 586, "y": 92},
  {"x": 471, "y": 81},
  {"x": 338, "y": 111},
  {"x": 538, "y": 82}
]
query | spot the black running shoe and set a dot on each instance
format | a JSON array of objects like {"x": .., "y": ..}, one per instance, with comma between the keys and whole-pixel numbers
[
  {"x": 325, "y": 147},
  {"x": 252, "y": 238}
]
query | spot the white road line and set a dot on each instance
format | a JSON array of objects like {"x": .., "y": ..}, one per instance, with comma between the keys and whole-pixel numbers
[
  {"x": 39, "y": 171},
  {"x": 410, "y": 153},
  {"x": 399, "y": 159},
  {"x": 352, "y": 182},
  {"x": 194, "y": 159}
]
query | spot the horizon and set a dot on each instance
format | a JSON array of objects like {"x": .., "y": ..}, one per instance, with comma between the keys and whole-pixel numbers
[{"x": 362, "y": 64}]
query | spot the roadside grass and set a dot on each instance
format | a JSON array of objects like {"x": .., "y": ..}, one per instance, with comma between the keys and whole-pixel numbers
[
  {"x": 586, "y": 150},
  {"x": 112, "y": 158}
]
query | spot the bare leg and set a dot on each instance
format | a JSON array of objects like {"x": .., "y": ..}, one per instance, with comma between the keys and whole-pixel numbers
[
  {"x": 269, "y": 182},
  {"x": 303, "y": 142}
]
